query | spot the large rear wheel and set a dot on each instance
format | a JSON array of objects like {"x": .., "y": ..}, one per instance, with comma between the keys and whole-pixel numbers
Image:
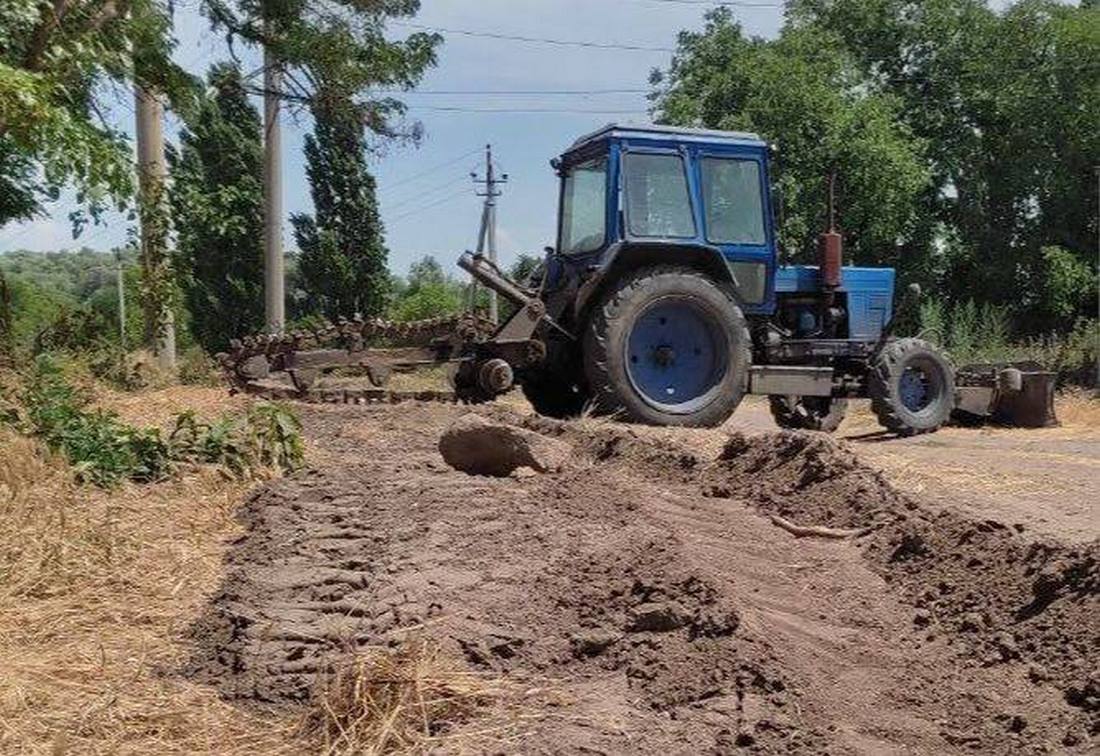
[{"x": 667, "y": 346}]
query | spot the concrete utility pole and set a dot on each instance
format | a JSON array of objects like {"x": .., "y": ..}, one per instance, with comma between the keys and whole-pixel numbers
[
  {"x": 121, "y": 300},
  {"x": 274, "y": 263},
  {"x": 152, "y": 177},
  {"x": 487, "y": 234}
]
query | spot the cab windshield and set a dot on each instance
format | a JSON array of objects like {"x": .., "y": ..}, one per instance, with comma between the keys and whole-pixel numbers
[{"x": 584, "y": 207}]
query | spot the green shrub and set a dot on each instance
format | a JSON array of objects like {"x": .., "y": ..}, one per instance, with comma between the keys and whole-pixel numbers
[
  {"x": 104, "y": 451},
  {"x": 268, "y": 436}
]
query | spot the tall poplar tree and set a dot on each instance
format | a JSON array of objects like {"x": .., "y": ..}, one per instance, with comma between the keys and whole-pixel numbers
[
  {"x": 342, "y": 251},
  {"x": 217, "y": 206}
]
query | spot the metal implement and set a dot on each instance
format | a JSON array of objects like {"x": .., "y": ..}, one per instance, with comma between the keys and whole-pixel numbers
[
  {"x": 1017, "y": 393},
  {"x": 353, "y": 360}
]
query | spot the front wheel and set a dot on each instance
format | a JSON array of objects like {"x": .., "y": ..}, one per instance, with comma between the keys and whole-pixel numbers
[
  {"x": 667, "y": 346},
  {"x": 912, "y": 387}
]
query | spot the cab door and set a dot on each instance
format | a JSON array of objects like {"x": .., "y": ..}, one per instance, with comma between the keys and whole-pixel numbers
[{"x": 736, "y": 215}]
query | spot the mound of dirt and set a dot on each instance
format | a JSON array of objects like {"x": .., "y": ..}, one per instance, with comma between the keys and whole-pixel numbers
[
  {"x": 637, "y": 584},
  {"x": 478, "y": 446},
  {"x": 1000, "y": 596}
]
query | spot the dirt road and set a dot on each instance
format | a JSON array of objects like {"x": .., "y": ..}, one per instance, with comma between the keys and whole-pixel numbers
[{"x": 644, "y": 601}]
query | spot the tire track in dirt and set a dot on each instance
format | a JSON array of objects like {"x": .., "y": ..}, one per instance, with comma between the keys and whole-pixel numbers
[{"x": 669, "y": 614}]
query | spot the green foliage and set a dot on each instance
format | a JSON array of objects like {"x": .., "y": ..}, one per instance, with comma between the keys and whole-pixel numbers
[
  {"x": 342, "y": 259},
  {"x": 802, "y": 92},
  {"x": 1068, "y": 285},
  {"x": 427, "y": 292},
  {"x": 104, "y": 451},
  {"x": 524, "y": 269},
  {"x": 1006, "y": 106},
  {"x": 268, "y": 436},
  {"x": 68, "y": 302},
  {"x": 338, "y": 51},
  {"x": 217, "y": 208},
  {"x": 982, "y": 333},
  {"x": 55, "y": 60}
]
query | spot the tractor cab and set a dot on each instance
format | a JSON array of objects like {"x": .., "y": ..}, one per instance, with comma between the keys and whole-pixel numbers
[{"x": 631, "y": 195}]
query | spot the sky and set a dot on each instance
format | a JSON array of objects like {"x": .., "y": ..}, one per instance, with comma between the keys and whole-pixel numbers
[{"x": 425, "y": 194}]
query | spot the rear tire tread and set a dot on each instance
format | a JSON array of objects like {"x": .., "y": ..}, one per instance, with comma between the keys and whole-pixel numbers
[{"x": 882, "y": 377}]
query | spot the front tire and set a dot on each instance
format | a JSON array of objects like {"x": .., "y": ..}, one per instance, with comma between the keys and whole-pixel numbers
[
  {"x": 912, "y": 387},
  {"x": 667, "y": 346}
]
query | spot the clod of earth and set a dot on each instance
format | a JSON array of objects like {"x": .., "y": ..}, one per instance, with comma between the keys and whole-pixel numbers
[{"x": 478, "y": 446}]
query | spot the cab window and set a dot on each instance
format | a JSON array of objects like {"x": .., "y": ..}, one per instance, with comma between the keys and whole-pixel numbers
[
  {"x": 734, "y": 208},
  {"x": 657, "y": 200},
  {"x": 584, "y": 207}
]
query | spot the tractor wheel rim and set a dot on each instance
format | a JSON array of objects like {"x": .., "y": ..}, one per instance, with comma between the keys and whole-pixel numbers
[
  {"x": 919, "y": 386},
  {"x": 676, "y": 355}
]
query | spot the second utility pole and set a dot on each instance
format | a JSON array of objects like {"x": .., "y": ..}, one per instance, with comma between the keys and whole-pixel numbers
[
  {"x": 274, "y": 265},
  {"x": 487, "y": 235}
]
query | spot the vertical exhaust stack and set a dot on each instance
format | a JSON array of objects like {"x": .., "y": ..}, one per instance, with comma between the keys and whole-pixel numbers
[{"x": 830, "y": 247}]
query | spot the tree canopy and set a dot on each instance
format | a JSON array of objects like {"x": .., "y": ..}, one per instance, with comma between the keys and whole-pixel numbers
[
  {"x": 964, "y": 139},
  {"x": 342, "y": 258},
  {"x": 338, "y": 52},
  {"x": 54, "y": 59}
]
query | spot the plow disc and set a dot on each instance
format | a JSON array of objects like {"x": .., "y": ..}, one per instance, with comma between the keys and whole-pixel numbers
[
  {"x": 352, "y": 361},
  {"x": 1019, "y": 394}
]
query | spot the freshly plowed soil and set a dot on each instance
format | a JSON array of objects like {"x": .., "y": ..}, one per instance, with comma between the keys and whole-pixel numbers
[{"x": 646, "y": 592}]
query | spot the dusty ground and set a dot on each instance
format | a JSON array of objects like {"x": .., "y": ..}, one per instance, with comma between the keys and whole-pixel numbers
[
  {"x": 1045, "y": 479},
  {"x": 641, "y": 600}
]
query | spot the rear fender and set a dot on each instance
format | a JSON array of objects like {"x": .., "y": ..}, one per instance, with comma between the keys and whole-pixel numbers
[{"x": 623, "y": 258}]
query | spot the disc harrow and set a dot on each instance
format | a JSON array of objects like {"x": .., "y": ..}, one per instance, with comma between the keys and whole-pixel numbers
[{"x": 299, "y": 365}]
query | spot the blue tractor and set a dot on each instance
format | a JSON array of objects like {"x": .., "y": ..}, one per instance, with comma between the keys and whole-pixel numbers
[{"x": 664, "y": 302}]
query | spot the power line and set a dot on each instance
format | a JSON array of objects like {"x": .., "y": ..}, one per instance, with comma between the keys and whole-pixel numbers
[
  {"x": 460, "y": 192},
  {"x": 433, "y": 169},
  {"x": 539, "y": 40},
  {"x": 426, "y": 193}
]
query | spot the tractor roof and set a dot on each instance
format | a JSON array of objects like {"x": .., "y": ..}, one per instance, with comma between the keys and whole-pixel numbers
[{"x": 667, "y": 134}]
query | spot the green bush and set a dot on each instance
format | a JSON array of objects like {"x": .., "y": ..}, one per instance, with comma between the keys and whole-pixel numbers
[
  {"x": 983, "y": 334},
  {"x": 268, "y": 436},
  {"x": 104, "y": 451}
]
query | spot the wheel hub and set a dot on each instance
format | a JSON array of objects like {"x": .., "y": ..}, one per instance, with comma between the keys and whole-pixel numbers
[{"x": 676, "y": 355}]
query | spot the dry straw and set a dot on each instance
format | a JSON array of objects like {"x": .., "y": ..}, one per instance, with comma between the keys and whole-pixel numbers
[
  {"x": 97, "y": 592},
  {"x": 400, "y": 700}
]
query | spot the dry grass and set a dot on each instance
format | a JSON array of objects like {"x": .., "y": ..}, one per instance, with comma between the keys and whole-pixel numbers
[
  {"x": 405, "y": 700},
  {"x": 157, "y": 407},
  {"x": 97, "y": 591},
  {"x": 1078, "y": 408}
]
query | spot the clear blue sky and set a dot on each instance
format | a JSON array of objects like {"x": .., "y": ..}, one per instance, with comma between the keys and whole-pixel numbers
[{"x": 438, "y": 213}]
